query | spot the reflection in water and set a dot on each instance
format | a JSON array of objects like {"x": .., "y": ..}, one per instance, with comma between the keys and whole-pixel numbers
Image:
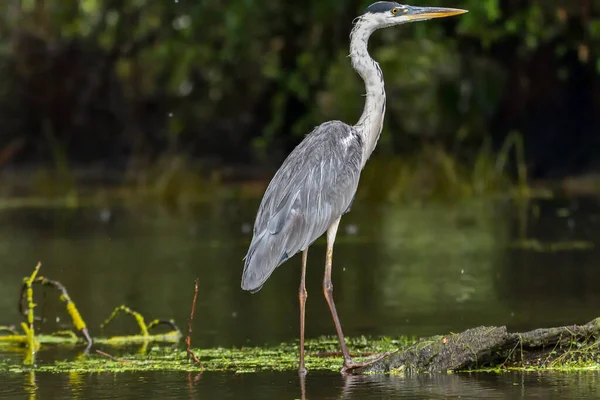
[
  {"x": 439, "y": 261},
  {"x": 31, "y": 386},
  {"x": 192, "y": 382},
  {"x": 475, "y": 386},
  {"x": 76, "y": 385},
  {"x": 148, "y": 385},
  {"x": 416, "y": 270},
  {"x": 550, "y": 287},
  {"x": 302, "y": 379}
]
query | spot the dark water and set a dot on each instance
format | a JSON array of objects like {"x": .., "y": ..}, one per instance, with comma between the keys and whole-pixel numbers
[
  {"x": 416, "y": 270},
  {"x": 287, "y": 386}
]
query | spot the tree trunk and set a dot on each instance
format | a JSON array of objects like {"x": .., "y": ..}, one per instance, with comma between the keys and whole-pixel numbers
[{"x": 494, "y": 347}]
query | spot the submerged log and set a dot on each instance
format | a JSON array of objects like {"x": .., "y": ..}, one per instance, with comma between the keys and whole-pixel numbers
[{"x": 495, "y": 347}]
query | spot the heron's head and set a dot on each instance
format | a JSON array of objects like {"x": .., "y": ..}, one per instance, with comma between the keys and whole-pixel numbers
[{"x": 388, "y": 13}]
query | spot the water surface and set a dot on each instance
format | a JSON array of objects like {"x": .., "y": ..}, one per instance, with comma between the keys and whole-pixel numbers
[
  {"x": 581, "y": 385},
  {"x": 398, "y": 270}
]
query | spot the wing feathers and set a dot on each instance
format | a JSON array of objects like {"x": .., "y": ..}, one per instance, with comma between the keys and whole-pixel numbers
[{"x": 313, "y": 187}]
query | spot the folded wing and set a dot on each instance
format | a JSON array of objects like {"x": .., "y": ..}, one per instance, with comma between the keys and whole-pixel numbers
[{"x": 314, "y": 186}]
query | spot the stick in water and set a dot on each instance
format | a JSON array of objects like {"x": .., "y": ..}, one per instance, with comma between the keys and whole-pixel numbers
[{"x": 188, "y": 339}]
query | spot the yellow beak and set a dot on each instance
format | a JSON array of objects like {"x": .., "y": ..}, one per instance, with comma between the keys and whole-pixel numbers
[{"x": 422, "y": 13}]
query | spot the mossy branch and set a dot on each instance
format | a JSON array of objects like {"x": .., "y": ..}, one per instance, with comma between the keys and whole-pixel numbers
[
  {"x": 29, "y": 327},
  {"x": 136, "y": 315},
  {"x": 495, "y": 347},
  {"x": 72, "y": 310},
  {"x": 10, "y": 336}
]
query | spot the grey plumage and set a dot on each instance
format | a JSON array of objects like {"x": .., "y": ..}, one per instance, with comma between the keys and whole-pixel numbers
[
  {"x": 319, "y": 178},
  {"x": 381, "y": 7},
  {"x": 317, "y": 182},
  {"x": 314, "y": 186}
]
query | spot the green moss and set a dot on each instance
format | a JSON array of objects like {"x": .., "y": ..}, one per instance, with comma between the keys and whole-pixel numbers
[{"x": 322, "y": 354}]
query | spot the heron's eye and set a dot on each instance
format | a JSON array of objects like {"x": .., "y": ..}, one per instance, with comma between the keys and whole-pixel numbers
[{"x": 395, "y": 10}]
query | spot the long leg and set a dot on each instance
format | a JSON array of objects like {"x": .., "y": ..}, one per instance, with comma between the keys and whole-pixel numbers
[
  {"x": 328, "y": 291},
  {"x": 302, "y": 295}
]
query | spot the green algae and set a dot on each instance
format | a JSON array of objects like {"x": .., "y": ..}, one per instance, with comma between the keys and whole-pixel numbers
[
  {"x": 483, "y": 349},
  {"x": 30, "y": 342},
  {"x": 322, "y": 355}
]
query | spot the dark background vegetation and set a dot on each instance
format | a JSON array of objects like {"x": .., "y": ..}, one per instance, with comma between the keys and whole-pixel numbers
[{"x": 121, "y": 84}]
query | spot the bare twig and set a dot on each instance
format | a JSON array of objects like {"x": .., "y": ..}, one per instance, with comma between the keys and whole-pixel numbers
[
  {"x": 111, "y": 357},
  {"x": 188, "y": 339}
]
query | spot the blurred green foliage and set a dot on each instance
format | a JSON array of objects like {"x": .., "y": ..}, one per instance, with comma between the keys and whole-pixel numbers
[{"x": 126, "y": 81}]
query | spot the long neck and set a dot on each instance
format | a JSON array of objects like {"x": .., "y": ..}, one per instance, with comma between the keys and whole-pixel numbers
[{"x": 371, "y": 121}]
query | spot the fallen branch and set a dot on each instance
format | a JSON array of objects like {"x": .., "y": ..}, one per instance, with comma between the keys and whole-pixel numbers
[
  {"x": 188, "y": 338},
  {"x": 72, "y": 310},
  {"x": 11, "y": 338},
  {"x": 494, "y": 347}
]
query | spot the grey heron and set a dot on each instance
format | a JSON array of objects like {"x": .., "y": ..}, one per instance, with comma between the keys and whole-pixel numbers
[{"x": 317, "y": 182}]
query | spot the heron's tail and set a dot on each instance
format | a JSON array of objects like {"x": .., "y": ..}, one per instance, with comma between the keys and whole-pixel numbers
[{"x": 266, "y": 253}]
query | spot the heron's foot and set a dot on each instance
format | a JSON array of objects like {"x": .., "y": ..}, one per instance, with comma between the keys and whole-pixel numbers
[{"x": 350, "y": 366}]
